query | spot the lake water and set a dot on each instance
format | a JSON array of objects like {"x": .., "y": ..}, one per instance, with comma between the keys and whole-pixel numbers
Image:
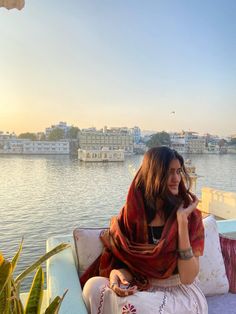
[{"x": 41, "y": 196}]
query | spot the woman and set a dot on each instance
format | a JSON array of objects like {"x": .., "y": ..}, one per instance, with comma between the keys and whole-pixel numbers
[{"x": 151, "y": 251}]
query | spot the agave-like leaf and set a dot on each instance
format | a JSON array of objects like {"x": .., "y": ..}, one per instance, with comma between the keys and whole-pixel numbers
[
  {"x": 13, "y": 305},
  {"x": 42, "y": 259},
  {"x": 16, "y": 304},
  {"x": 5, "y": 273},
  {"x": 35, "y": 298},
  {"x": 54, "y": 307},
  {"x": 16, "y": 257},
  {"x": 15, "y": 289},
  {"x": 19, "y": 305},
  {"x": 5, "y": 298},
  {"x": 5, "y": 284}
]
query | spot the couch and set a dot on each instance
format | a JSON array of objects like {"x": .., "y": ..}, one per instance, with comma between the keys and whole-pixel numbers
[{"x": 62, "y": 272}]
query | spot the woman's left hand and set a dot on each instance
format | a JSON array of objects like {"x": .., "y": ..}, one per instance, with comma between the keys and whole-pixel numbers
[
  {"x": 183, "y": 213},
  {"x": 119, "y": 282}
]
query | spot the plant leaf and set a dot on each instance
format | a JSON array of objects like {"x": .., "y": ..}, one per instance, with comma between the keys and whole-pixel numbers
[
  {"x": 54, "y": 307},
  {"x": 20, "y": 308},
  {"x": 15, "y": 289},
  {"x": 35, "y": 298},
  {"x": 5, "y": 298},
  {"x": 5, "y": 273},
  {"x": 16, "y": 304},
  {"x": 16, "y": 257},
  {"x": 42, "y": 259}
]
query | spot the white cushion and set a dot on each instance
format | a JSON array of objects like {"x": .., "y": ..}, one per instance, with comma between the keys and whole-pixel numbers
[
  {"x": 88, "y": 246},
  {"x": 212, "y": 276}
]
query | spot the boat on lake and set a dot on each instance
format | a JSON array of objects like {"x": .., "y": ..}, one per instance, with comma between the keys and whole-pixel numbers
[{"x": 101, "y": 155}]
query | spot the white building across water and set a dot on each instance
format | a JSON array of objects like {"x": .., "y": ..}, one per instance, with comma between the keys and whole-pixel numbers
[
  {"x": 188, "y": 142},
  {"x": 25, "y": 146}
]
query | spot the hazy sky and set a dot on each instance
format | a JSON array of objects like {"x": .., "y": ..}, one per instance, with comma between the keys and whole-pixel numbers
[{"x": 119, "y": 63}]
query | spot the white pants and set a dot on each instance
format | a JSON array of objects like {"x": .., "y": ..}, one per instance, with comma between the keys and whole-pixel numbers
[{"x": 166, "y": 296}]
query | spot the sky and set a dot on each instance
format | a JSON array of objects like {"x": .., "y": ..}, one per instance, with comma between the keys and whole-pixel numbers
[{"x": 161, "y": 65}]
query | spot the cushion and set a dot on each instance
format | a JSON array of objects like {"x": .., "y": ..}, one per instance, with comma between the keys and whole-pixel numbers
[
  {"x": 225, "y": 303},
  {"x": 228, "y": 247},
  {"x": 212, "y": 275},
  {"x": 88, "y": 246}
]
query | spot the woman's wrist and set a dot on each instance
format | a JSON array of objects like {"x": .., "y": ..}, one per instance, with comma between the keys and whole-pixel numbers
[
  {"x": 183, "y": 227},
  {"x": 182, "y": 220},
  {"x": 183, "y": 236}
]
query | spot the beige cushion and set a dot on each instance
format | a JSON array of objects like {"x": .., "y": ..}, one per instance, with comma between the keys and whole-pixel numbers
[
  {"x": 88, "y": 246},
  {"x": 212, "y": 276}
]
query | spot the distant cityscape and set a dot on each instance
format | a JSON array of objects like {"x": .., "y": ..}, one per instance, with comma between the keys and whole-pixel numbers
[{"x": 110, "y": 143}]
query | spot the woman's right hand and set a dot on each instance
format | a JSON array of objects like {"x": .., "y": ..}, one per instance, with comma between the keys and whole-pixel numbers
[{"x": 120, "y": 282}]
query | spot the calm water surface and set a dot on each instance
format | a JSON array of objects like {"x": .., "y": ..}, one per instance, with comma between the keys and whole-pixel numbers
[{"x": 41, "y": 196}]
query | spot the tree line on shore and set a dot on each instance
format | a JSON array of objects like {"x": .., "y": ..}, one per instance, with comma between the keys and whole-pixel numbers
[{"x": 55, "y": 135}]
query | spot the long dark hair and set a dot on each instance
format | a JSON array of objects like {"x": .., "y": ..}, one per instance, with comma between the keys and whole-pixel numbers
[{"x": 152, "y": 180}]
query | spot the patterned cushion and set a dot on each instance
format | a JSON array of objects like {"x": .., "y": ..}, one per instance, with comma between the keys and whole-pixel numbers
[
  {"x": 212, "y": 276},
  {"x": 228, "y": 247},
  {"x": 88, "y": 246}
]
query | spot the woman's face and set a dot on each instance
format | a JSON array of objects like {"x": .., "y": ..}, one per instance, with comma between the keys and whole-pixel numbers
[{"x": 174, "y": 176}]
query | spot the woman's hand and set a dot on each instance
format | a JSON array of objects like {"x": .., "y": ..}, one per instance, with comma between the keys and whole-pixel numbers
[
  {"x": 120, "y": 282},
  {"x": 183, "y": 213}
]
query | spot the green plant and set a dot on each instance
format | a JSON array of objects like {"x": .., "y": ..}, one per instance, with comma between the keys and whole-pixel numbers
[{"x": 10, "y": 302}]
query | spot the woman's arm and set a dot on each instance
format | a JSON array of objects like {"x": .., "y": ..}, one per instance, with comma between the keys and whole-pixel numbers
[{"x": 188, "y": 268}]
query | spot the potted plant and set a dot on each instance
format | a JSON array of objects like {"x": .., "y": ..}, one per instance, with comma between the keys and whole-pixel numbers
[{"x": 10, "y": 301}]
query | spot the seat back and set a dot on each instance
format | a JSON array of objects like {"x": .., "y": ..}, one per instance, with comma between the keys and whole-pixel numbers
[{"x": 88, "y": 246}]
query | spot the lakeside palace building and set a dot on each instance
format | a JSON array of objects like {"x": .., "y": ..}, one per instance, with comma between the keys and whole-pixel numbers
[{"x": 111, "y": 139}]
